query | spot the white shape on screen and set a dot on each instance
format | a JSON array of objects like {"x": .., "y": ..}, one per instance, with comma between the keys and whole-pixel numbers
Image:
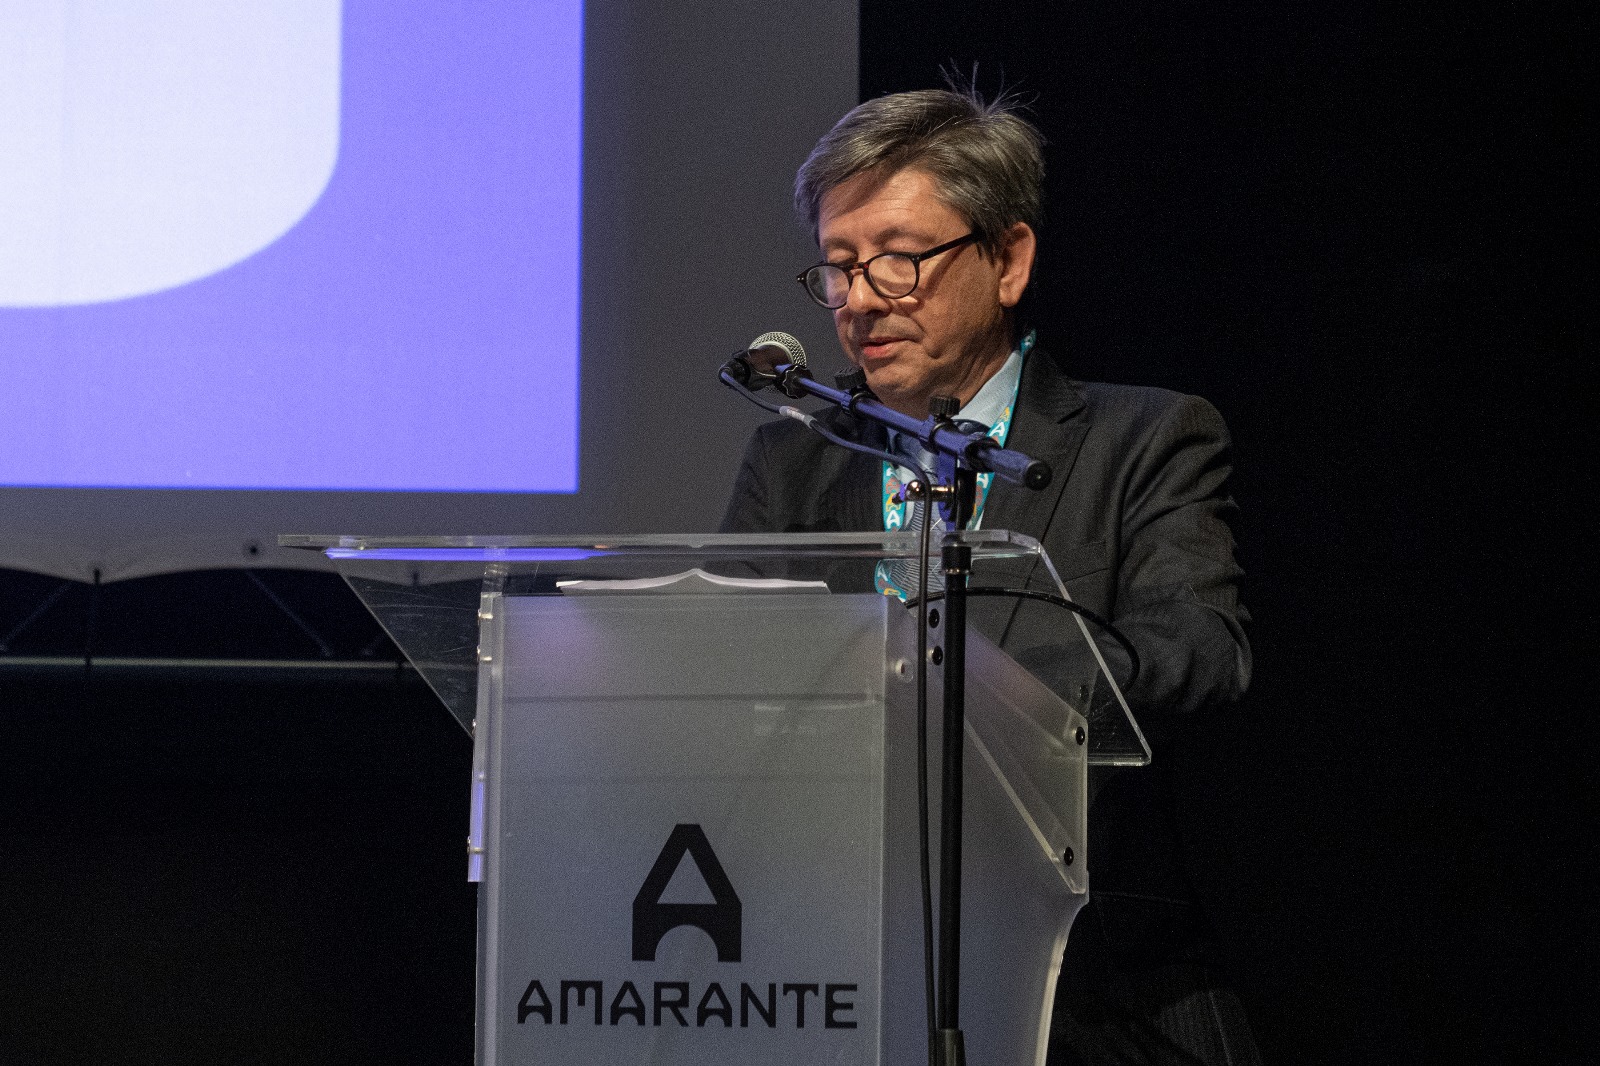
[{"x": 147, "y": 144}]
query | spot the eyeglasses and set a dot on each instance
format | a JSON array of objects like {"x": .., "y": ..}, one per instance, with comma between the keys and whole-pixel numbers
[{"x": 891, "y": 275}]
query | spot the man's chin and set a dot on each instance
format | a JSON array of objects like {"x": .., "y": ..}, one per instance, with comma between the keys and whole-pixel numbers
[{"x": 893, "y": 391}]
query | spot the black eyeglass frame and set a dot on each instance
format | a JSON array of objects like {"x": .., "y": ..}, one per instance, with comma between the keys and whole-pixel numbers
[{"x": 865, "y": 267}]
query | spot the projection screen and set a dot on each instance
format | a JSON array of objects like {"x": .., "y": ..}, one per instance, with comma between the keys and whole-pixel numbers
[{"x": 389, "y": 267}]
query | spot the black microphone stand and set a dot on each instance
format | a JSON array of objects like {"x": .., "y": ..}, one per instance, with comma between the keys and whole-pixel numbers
[
  {"x": 965, "y": 453},
  {"x": 956, "y": 556}
]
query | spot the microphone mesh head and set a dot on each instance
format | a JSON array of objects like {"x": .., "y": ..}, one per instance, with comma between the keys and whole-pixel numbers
[{"x": 796, "y": 351}]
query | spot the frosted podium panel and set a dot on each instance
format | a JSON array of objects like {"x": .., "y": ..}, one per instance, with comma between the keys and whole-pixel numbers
[
  {"x": 698, "y": 839},
  {"x": 668, "y": 818}
]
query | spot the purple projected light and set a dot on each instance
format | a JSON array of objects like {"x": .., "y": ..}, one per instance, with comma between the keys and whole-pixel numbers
[{"x": 416, "y": 330}]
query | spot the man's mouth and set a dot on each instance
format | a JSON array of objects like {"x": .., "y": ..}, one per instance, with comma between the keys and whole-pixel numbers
[{"x": 878, "y": 347}]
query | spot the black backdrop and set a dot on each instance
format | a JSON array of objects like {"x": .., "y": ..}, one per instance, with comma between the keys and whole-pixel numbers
[
  {"x": 1354, "y": 227},
  {"x": 1357, "y": 230}
]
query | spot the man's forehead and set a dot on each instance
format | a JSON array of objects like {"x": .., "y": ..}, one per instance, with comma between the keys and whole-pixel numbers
[{"x": 884, "y": 206}]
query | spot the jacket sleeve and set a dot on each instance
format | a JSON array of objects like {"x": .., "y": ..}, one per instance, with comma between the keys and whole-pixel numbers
[
  {"x": 1166, "y": 577},
  {"x": 1177, "y": 595}
]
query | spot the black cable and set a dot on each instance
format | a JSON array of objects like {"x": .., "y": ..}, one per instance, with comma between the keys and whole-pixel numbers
[
  {"x": 738, "y": 386},
  {"x": 1076, "y": 608}
]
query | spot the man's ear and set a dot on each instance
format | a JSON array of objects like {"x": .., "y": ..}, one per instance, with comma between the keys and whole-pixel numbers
[{"x": 1017, "y": 250}]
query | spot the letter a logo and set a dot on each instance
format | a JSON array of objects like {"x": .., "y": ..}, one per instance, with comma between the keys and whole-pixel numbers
[{"x": 722, "y": 920}]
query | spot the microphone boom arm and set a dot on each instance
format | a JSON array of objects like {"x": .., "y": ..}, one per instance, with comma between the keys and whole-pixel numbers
[{"x": 973, "y": 450}]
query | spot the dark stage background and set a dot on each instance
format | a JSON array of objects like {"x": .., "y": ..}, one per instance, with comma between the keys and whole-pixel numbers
[{"x": 1356, "y": 229}]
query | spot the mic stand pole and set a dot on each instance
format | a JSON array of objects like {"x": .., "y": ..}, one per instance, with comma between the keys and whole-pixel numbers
[
  {"x": 956, "y": 556},
  {"x": 968, "y": 453}
]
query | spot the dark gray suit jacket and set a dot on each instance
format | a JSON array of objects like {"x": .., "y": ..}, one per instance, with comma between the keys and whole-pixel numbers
[{"x": 1135, "y": 520}]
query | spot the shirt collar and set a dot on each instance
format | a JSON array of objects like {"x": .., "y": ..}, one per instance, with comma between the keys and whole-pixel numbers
[{"x": 991, "y": 401}]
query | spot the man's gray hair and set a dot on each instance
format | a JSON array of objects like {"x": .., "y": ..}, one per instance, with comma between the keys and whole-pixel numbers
[{"x": 987, "y": 161}]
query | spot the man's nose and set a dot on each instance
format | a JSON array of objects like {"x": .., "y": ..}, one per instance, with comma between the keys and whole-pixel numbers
[{"x": 861, "y": 296}]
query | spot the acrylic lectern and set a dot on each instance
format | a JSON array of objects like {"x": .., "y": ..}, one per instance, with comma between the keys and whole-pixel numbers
[{"x": 694, "y": 794}]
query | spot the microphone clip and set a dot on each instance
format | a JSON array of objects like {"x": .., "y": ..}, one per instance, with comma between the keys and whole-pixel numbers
[{"x": 754, "y": 369}]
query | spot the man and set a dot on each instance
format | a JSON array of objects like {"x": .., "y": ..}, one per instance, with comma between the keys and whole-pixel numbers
[{"x": 926, "y": 207}]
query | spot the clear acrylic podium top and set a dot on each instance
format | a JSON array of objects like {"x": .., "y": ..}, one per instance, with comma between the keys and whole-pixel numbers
[{"x": 426, "y": 591}]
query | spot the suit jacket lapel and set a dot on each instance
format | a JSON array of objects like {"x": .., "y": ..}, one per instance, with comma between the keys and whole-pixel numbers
[{"x": 1050, "y": 423}]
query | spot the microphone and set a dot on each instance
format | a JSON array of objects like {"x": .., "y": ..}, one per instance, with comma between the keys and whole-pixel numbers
[
  {"x": 779, "y": 347},
  {"x": 757, "y": 366}
]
